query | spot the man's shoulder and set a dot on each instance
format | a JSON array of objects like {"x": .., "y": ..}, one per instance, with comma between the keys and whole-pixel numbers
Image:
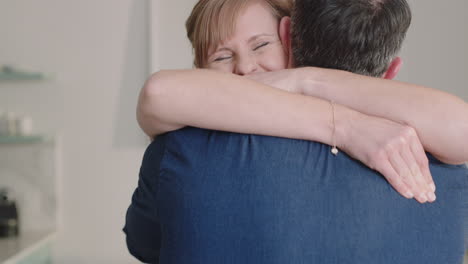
[
  {"x": 207, "y": 137},
  {"x": 193, "y": 150},
  {"x": 201, "y": 146},
  {"x": 197, "y": 143}
]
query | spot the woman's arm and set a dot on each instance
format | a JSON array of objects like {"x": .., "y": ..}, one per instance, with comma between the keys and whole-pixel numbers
[
  {"x": 222, "y": 101},
  {"x": 440, "y": 119}
]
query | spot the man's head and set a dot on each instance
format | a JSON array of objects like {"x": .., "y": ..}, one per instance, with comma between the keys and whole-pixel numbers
[{"x": 360, "y": 36}]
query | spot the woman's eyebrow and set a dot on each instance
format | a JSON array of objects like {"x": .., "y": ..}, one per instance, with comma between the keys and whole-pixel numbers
[
  {"x": 253, "y": 38},
  {"x": 222, "y": 49}
]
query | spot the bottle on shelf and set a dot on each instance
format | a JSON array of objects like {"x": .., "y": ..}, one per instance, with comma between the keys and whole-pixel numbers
[
  {"x": 11, "y": 121},
  {"x": 9, "y": 226},
  {"x": 3, "y": 124}
]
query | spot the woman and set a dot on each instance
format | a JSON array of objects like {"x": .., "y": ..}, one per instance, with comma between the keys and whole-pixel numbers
[{"x": 218, "y": 100}]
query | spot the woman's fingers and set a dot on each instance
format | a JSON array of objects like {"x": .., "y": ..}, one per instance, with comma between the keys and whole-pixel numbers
[
  {"x": 395, "y": 180},
  {"x": 423, "y": 162},
  {"x": 395, "y": 151},
  {"x": 401, "y": 167},
  {"x": 424, "y": 191}
]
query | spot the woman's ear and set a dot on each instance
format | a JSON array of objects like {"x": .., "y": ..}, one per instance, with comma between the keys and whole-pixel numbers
[
  {"x": 285, "y": 36},
  {"x": 393, "y": 69}
]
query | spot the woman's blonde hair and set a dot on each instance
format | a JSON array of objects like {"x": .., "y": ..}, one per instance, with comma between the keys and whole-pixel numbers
[{"x": 213, "y": 21}]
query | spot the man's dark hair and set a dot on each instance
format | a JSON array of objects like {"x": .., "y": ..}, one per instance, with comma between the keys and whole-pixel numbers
[{"x": 360, "y": 36}]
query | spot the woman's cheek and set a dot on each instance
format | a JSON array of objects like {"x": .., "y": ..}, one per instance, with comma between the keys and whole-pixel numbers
[
  {"x": 273, "y": 61},
  {"x": 222, "y": 67}
]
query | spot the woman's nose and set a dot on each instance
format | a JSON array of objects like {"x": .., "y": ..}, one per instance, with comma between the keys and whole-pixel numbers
[{"x": 245, "y": 66}]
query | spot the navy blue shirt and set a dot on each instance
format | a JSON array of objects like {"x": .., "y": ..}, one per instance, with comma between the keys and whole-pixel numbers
[{"x": 207, "y": 196}]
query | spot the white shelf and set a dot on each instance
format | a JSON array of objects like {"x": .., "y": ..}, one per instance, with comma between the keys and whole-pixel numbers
[
  {"x": 22, "y": 139},
  {"x": 22, "y": 76},
  {"x": 8, "y": 73},
  {"x": 13, "y": 250}
]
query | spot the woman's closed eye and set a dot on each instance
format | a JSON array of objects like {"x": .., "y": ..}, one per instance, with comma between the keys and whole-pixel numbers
[
  {"x": 222, "y": 58},
  {"x": 261, "y": 46}
]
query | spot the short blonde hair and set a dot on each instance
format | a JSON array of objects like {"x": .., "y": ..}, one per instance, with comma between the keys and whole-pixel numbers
[{"x": 213, "y": 21}]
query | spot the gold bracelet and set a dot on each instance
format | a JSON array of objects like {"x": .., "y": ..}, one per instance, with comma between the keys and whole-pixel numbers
[{"x": 334, "y": 150}]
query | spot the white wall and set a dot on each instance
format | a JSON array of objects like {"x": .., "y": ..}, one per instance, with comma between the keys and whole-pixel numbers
[
  {"x": 435, "y": 53},
  {"x": 170, "y": 47},
  {"x": 99, "y": 53}
]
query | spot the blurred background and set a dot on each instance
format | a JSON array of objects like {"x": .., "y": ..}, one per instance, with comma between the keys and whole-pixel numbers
[{"x": 70, "y": 74}]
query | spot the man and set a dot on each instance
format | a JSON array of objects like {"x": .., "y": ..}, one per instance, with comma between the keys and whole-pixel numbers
[{"x": 218, "y": 197}]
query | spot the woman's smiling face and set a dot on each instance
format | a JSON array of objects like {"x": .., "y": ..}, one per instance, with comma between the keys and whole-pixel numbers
[{"x": 254, "y": 46}]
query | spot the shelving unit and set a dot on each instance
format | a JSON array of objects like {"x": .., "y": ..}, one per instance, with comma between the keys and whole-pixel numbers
[{"x": 29, "y": 167}]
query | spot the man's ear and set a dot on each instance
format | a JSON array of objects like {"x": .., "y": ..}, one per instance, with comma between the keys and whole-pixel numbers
[
  {"x": 393, "y": 69},
  {"x": 285, "y": 37}
]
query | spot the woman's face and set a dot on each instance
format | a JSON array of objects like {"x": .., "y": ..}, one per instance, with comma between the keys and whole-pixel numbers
[{"x": 255, "y": 45}]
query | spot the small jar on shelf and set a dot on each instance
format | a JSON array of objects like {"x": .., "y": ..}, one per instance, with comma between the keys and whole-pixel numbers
[{"x": 12, "y": 125}]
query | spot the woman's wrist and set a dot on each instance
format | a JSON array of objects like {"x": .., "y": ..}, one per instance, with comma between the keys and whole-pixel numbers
[{"x": 344, "y": 117}]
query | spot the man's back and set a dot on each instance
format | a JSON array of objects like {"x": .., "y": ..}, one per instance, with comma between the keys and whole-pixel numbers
[{"x": 222, "y": 197}]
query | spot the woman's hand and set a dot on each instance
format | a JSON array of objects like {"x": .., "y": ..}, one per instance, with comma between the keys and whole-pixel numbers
[{"x": 392, "y": 149}]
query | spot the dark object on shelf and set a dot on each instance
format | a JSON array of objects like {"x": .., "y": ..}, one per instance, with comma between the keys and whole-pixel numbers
[{"x": 9, "y": 226}]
